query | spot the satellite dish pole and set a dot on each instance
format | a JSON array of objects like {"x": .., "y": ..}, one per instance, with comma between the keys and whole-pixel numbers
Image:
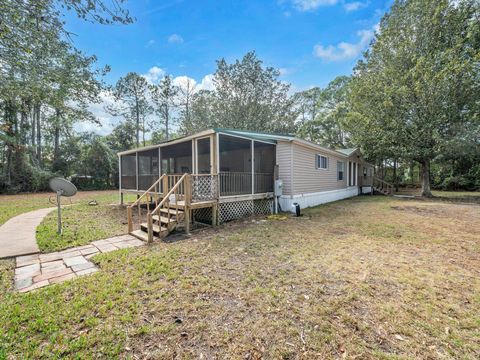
[
  {"x": 59, "y": 212},
  {"x": 61, "y": 187}
]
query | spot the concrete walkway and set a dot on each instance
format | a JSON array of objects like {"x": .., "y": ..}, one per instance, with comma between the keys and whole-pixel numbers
[
  {"x": 39, "y": 270},
  {"x": 18, "y": 235}
]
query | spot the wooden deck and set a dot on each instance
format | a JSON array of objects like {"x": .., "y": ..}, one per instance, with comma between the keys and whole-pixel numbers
[
  {"x": 194, "y": 205},
  {"x": 180, "y": 196}
]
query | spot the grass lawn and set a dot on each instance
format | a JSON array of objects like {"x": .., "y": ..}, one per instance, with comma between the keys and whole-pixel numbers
[
  {"x": 369, "y": 277},
  {"x": 13, "y": 205},
  {"x": 462, "y": 196},
  {"x": 84, "y": 223}
]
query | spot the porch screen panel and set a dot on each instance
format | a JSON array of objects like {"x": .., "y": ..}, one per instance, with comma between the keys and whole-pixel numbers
[
  {"x": 147, "y": 168},
  {"x": 235, "y": 160},
  {"x": 129, "y": 171},
  {"x": 264, "y": 164},
  {"x": 203, "y": 156},
  {"x": 177, "y": 158}
]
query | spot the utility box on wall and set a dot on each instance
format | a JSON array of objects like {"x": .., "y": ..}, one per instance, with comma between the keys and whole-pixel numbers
[{"x": 278, "y": 190}]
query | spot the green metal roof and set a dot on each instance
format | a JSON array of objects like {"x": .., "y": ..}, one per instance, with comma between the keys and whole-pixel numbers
[
  {"x": 347, "y": 152},
  {"x": 255, "y": 135}
]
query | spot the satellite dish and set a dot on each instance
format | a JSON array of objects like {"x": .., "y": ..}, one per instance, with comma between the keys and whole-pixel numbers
[{"x": 63, "y": 188}]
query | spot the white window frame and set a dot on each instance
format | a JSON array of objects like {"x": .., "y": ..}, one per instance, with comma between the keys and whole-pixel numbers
[
  {"x": 318, "y": 162},
  {"x": 343, "y": 170}
]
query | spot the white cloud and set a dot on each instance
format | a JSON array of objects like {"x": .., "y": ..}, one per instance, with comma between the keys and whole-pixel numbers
[
  {"x": 283, "y": 71},
  {"x": 207, "y": 83},
  {"x": 175, "y": 39},
  {"x": 354, "y": 6},
  {"x": 150, "y": 43},
  {"x": 311, "y": 5},
  {"x": 154, "y": 75},
  {"x": 344, "y": 50},
  {"x": 107, "y": 121},
  {"x": 185, "y": 81}
]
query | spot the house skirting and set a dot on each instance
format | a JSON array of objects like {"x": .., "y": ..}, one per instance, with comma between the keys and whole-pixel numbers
[
  {"x": 366, "y": 189},
  {"x": 314, "y": 199}
]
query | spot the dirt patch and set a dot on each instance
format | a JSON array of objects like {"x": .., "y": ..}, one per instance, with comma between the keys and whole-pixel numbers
[{"x": 426, "y": 211}]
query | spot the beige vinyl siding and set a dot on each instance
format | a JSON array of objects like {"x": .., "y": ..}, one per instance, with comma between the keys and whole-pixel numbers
[
  {"x": 284, "y": 162},
  {"x": 308, "y": 179},
  {"x": 365, "y": 180}
]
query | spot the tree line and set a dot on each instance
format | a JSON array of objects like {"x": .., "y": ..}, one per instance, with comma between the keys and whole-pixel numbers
[
  {"x": 46, "y": 85},
  {"x": 411, "y": 103}
]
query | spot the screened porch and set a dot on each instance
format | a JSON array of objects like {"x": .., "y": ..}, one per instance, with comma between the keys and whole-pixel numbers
[
  {"x": 238, "y": 174},
  {"x": 238, "y": 166}
]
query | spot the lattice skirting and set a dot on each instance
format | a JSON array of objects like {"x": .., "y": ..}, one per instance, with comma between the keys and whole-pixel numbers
[
  {"x": 203, "y": 215},
  {"x": 239, "y": 209}
]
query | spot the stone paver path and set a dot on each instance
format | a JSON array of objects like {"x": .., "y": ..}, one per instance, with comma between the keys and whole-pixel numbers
[
  {"x": 39, "y": 270},
  {"x": 17, "y": 235}
]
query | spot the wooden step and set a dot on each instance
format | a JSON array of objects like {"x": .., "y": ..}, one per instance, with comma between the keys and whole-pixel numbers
[
  {"x": 171, "y": 211},
  {"x": 157, "y": 230},
  {"x": 381, "y": 191},
  {"x": 141, "y": 235},
  {"x": 164, "y": 219}
]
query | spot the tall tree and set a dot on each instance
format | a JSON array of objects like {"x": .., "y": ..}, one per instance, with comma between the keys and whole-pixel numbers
[
  {"x": 122, "y": 137},
  {"x": 186, "y": 92},
  {"x": 307, "y": 104},
  {"x": 130, "y": 93},
  {"x": 417, "y": 87},
  {"x": 325, "y": 123},
  {"x": 164, "y": 96},
  {"x": 44, "y": 83},
  {"x": 246, "y": 95}
]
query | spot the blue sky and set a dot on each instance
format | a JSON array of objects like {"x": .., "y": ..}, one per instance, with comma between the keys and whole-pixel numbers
[{"x": 310, "y": 41}]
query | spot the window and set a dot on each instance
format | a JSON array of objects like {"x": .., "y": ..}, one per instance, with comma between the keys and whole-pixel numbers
[
  {"x": 322, "y": 162},
  {"x": 364, "y": 171},
  {"x": 339, "y": 170}
]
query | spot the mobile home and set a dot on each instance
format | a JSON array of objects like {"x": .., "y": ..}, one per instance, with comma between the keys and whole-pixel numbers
[{"x": 219, "y": 175}]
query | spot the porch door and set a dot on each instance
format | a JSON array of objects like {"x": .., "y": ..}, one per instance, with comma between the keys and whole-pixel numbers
[{"x": 203, "y": 163}]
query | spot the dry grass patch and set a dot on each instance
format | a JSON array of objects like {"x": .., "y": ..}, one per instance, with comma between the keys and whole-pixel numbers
[{"x": 370, "y": 277}]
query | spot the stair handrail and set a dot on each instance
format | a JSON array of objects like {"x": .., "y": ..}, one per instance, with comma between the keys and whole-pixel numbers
[
  {"x": 161, "y": 204},
  {"x": 137, "y": 202},
  {"x": 172, "y": 190},
  {"x": 147, "y": 191},
  {"x": 388, "y": 185}
]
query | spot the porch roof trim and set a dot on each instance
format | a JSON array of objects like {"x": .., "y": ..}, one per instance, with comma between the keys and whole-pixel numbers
[
  {"x": 254, "y": 135},
  {"x": 167, "y": 143}
]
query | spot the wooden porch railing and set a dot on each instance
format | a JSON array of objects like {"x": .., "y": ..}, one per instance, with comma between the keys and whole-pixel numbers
[
  {"x": 263, "y": 182},
  {"x": 173, "y": 191},
  {"x": 180, "y": 191},
  {"x": 383, "y": 186},
  {"x": 154, "y": 192},
  {"x": 235, "y": 183},
  {"x": 204, "y": 187}
]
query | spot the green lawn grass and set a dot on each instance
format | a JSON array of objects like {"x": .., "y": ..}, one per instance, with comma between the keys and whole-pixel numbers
[
  {"x": 371, "y": 277},
  {"x": 445, "y": 195},
  {"x": 13, "y": 205},
  {"x": 455, "y": 194},
  {"x": 83, "y": 223}
]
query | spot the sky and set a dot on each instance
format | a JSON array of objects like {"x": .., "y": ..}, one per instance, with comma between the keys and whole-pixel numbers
[{"x": 309, "y": 41}]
